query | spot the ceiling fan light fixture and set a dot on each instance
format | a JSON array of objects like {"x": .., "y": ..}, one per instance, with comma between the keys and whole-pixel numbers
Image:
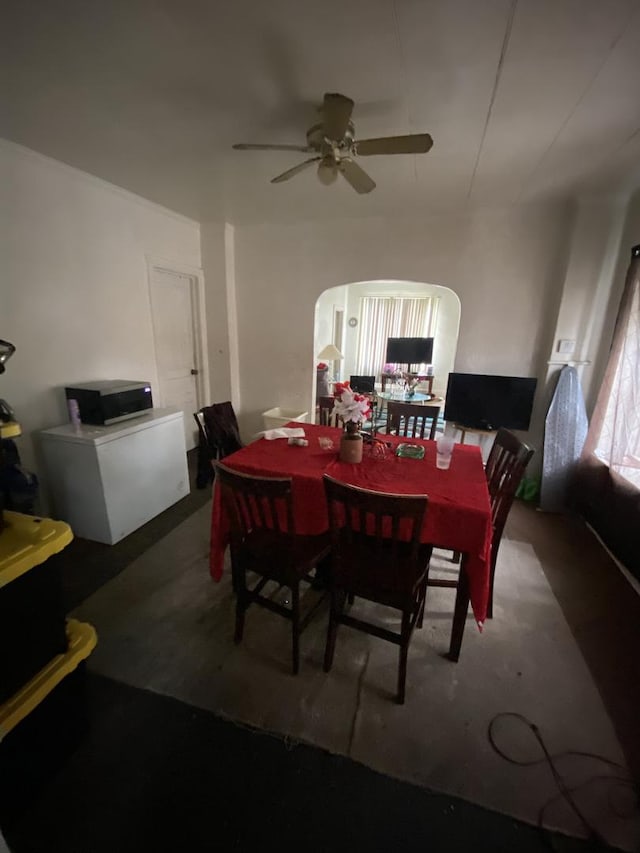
[
  {"x": 334, "y": 143},
  {"x": 327, "y": 172}
]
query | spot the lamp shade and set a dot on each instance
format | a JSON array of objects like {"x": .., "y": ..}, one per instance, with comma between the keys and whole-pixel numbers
[{"x": 330, "y": 353}]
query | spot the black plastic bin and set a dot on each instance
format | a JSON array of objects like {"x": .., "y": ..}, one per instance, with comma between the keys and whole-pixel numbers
[{"x": 32, "y": 625}]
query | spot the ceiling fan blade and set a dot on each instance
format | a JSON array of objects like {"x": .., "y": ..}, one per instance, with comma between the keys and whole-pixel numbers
[
  {"x": 291, "y": 172},
  {"x": 249, "y": 147},
  {"x": 415, "y": 143},
  {"x": 357, "y": 177},
  {"x": 336, "y": 111}
]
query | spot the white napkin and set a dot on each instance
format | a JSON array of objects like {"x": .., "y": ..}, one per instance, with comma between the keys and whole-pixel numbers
[{"x": 283, "y": 432}]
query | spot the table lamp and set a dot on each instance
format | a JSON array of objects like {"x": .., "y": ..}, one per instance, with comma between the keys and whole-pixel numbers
[{"x": 329, "y": 353}]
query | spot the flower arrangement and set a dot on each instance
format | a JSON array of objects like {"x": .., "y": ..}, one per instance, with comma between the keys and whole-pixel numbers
[
  {"x": 350, "y": 406},
  {"x": 411, "y": 382}
]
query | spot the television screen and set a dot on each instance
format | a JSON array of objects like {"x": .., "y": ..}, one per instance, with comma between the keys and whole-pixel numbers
[
  {"x": 363, "y": 384},
  {"x": 409, "y": 350},
  {"x": 489, "y": 402}
]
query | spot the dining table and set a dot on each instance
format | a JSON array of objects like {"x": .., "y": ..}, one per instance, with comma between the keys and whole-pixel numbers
[
  {"x": 407, "y": 397},
  {"x": 458, "y": 516}
]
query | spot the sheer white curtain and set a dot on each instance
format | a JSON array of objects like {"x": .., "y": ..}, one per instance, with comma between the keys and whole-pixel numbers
[
  {"x": 614, "y": 435},
  {"x": 383, "y": 317}
]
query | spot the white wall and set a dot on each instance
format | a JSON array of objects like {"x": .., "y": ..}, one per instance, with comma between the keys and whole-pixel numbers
[
  {"x": 326, "y": 305},
  {"x": 593, "y": 253},
  {"x": 217, "y": 263},
  {"x": 75, "y": 295},
  {"x": 506, "y": 267},
  {"x": 587, "y": 303},
  {"x": 624, "y": 234}
]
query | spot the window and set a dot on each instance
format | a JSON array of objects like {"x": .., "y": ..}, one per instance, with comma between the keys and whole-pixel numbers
[
  {"x": 383, "y": 317},
  {"x": 617, "y": 439}
]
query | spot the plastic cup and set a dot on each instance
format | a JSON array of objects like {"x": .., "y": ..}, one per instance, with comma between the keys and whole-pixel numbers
[{"x": 444, "y": 449}]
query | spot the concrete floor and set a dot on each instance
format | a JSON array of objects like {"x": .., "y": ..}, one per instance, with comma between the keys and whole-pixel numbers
[{"x": 553, "y": 652}]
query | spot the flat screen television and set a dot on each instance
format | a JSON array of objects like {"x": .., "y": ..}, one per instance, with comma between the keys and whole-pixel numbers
[
  {"x": 489, "y": 402},
  {"x": 409, "y": 350}
]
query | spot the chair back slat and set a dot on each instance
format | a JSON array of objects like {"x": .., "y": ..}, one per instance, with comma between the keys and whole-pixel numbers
[
  {"x": 255, "y": 503},
  {"x": 374, "y": 531},
  {"x": 411, "y": 420}
]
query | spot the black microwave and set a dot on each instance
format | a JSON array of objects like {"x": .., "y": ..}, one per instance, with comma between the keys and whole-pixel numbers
[{"x": 109, "y": 401}]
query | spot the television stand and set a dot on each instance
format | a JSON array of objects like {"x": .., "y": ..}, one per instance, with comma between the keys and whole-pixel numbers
[{"x": 472, "y": 430}]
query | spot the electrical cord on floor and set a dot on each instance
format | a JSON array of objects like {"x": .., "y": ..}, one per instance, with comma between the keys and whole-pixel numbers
[{"x": 566, "y": 793}]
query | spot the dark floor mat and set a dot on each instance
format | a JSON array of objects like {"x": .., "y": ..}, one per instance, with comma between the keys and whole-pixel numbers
[
  {"x": 149, "y": 773},
  {"x": 85, "y": 566}
]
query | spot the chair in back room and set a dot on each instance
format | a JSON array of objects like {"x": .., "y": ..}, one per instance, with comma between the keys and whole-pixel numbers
[
  {"x": 326, "y": 415},
  {"x": 367, "y": 385},
  {"x": 412, "y": 420}
]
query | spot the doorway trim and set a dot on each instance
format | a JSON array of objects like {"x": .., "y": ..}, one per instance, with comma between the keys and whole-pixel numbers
[
  {"x": 338, "y": 326},
  {"x": 201, "y": 354}
]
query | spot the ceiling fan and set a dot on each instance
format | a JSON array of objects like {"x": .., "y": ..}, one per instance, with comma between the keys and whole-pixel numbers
[{"x": 333, "y": 142}]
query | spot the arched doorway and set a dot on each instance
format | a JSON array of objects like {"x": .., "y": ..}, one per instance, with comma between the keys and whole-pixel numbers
[{"x": 338, "y": 321}]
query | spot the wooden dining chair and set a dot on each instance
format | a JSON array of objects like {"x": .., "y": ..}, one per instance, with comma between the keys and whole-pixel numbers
[
  {"x": 327, "y": 416},
  {"x": 506, "y": 464},
  {"x": 376, "y": 555},
  {"x": 378, "y": 414},
  {"x": 219, "y": 437},
  {"x": 263, "y": 541},
  {"x": 411, "y": 420}
]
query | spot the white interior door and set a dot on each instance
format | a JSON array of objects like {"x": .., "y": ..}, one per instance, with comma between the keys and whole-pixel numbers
[{"x": 174, "y": 323}]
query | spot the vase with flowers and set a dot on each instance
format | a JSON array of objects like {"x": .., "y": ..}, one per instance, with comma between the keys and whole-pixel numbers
[
  {"x": 410, "y": 384},
  {"x": 352, "y": 408}
]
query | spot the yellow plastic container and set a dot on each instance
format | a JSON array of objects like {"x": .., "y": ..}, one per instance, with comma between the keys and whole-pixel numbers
[
  {"x": 10, "y": 429},
  {"x": 26, "y": 541},
  {"x": 82, "y": 641}
]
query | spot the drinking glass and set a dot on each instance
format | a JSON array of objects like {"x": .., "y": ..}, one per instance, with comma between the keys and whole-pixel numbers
[
  {"x": 377, "y": 450},
  {"x": 444, "y": 449}
]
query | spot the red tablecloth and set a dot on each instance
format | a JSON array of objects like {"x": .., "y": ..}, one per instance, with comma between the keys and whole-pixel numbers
[{"x": 458, "y": 516}]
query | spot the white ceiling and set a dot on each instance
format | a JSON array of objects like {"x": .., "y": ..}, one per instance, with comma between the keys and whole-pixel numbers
[{"x": 525, "y": 99}]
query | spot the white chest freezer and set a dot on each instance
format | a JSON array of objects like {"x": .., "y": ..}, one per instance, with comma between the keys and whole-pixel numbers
[{"x": 106, "y": 481}]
